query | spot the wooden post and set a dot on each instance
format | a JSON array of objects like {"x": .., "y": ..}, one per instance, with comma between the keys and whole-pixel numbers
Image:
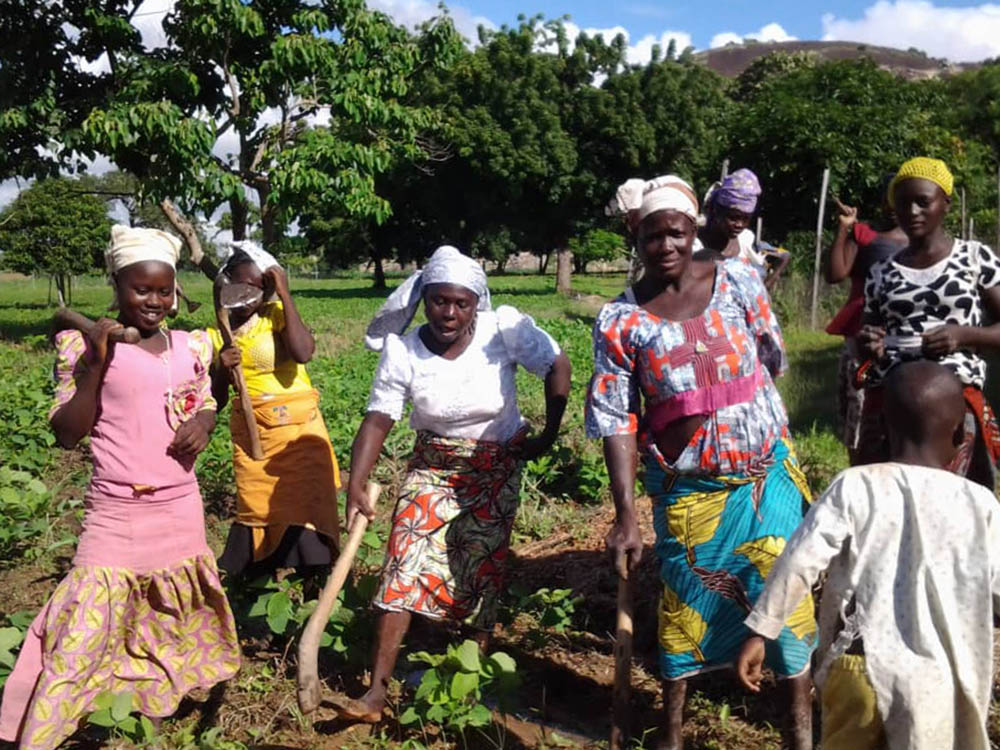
[
  {"x": 996, "y": 247},
  {"x": 963, "y": 231},
  {"x": 813, "y": 315},
  {"x": 725, "y": 169},
  {"x": 760, "y": 228},
  {"x": 972, "y": 229}
]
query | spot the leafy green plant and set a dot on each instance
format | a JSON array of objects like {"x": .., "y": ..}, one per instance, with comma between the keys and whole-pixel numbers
[
  {"x": 452, "y": 690},
  {"x": 114, "y": 712},
  {"x": 24, "y": 509},
  {"x": 552, "y": 609},
  {"x": 11, "y": 638}
]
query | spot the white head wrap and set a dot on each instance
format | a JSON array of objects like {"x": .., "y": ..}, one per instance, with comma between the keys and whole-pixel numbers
[
  {"x": 260, "y": 257},
  {"x": 131, "y": 245},
  {"x": 446, "y": 266},
  {"x": 628, "y": 197},
  {"x": 671, "y": 193}
]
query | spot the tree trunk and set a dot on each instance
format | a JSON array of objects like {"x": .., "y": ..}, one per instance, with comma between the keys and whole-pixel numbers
[
  {"x": 60, "y": 294},
  {"x": 268, "y": 220},
  {"x": 564, "y": 270},
  {"x": 379, "y": 271},
  {"x": 544, "y": 264},
  {"x": 238, "y": 213}
]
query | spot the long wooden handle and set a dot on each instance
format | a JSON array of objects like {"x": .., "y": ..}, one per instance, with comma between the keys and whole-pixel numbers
[
  {"x": 66, "y": 318},
  {"x": 309, "y": 689},
  {"x": 621, "y": 698},
  {"x": 240, "y": 382}
]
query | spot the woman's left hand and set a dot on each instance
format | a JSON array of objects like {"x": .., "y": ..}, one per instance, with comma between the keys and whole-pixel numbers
[
  {"x": 943, "y": 340},
  {"x": 279, "y": 278},
  {"x": 533, "y": 447},
  {"x": 190, "y": 439}
]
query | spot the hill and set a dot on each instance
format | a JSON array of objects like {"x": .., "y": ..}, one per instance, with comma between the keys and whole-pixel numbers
[{"x": 733, "y": 59}]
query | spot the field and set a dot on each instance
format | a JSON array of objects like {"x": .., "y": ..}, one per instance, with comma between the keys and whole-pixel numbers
[{"x": 560, "y": 608}]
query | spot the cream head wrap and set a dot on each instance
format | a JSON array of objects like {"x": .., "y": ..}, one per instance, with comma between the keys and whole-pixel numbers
[
  {"x": 628, "y": 197},
  {"x": 446, "y": 266},
  {"x": 668, "y": 193},
  {"x": 130, "y": 245}
]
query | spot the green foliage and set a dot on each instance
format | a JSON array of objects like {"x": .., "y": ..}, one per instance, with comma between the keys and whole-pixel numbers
[
  {"x": 114, "y": 712},
  {"x": 552, "y": 609},
  {"x": 452, "y": 690},
  {"x": 53, "y": 228},
  {"x": 11, "y": 638},
  {"x": 596, "y": 245},
  {"x": 25, "y": 398},
  {"x": 24, "y": 512}
]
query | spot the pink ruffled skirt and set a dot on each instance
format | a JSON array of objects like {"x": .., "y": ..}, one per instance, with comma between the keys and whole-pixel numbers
[{"x": 142, "y": 611}]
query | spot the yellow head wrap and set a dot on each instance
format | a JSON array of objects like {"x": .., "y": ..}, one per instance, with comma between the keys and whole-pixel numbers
[{"x": 924, "y": 168}]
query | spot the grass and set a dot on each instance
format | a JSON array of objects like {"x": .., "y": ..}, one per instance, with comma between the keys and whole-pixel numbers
[{"x": 564, "y": 496}]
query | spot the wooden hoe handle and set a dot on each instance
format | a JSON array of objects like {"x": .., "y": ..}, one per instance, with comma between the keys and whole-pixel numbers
[
  {"x": 621, "y": 697},
  {"x": 66, "y": 318},
  {"x": 309, "y": 686},
  {"x": 246, "y": 406}
]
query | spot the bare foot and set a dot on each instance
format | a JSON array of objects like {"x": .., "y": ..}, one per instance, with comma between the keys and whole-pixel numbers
[{"x": 367, "y": 708}]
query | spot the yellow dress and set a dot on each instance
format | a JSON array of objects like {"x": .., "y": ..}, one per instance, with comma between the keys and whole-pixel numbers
[{"x": 296, "y": 482}]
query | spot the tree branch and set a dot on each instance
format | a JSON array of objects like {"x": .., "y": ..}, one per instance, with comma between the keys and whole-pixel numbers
[{"x": 185, "y": 229}]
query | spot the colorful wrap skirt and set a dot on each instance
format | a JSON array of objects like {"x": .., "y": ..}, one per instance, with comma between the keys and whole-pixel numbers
[
  {"x": 142, "y": 611},
  {"x": 716, "y": 540},
  {"x": 447, "y": 550}
]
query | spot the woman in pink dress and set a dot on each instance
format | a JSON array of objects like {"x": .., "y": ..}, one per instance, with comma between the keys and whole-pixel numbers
[{"x": 142, "y": 610}]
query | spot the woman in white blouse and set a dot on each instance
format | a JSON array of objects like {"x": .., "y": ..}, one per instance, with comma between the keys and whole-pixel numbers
[{"x": 451, "y": 527}]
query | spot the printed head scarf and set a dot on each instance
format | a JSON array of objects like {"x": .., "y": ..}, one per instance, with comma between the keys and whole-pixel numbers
[
  {"x": 446, "y": 266},
  {"x": 668, "y": 192},
  {"x": 130, "y": 245},
  {"x": 739, "y": 190},
  {"x": 924, "y": 168}
]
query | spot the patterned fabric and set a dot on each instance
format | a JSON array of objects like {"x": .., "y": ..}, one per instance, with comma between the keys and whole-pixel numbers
[
  {"x": 669, "y": 363},
  {"x": 717, "y": 539},
  {"x": 912, "y": 301},
  {"x": 267, "y": 367},
  {"x": 157, "y": 635},
  {"x": 739, "y": 190},
  {"x": 450, "y": 536}
]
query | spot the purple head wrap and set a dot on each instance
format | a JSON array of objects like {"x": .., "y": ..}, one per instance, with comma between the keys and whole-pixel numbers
[{"x": 740, "y": 190}]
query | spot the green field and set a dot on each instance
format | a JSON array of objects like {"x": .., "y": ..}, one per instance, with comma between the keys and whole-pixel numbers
[{"x": 560, "y": 641}]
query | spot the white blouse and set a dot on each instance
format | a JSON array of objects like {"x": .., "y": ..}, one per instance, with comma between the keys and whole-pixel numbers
[{"x": 471, "y": 396}]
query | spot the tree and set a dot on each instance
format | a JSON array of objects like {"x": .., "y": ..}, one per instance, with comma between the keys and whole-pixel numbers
[
  {"x": 596, "y": 245},
  {"x": 54, "y": 228},
  {"x": 266, "y": 101}
]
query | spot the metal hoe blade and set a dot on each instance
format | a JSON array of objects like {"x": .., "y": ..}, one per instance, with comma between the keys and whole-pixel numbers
[{"x": 233, "y": 296}]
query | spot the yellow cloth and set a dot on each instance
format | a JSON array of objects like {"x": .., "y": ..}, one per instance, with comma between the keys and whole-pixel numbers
[
  {"x": 851, "y": 720},
  {"x": 267, "y": 367},
  {"x": 924, "y": 168},
  {"x": 296, "y": 482}
]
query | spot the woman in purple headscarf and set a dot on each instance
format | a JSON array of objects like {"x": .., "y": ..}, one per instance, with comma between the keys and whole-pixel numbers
[{"x": 729, "y": 209}]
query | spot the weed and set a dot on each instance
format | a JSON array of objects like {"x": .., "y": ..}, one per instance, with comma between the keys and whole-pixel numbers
[{"x": 114, "y": 713}]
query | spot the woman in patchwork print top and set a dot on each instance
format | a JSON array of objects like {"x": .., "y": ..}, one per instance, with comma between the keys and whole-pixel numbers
[
  {"x": 929, "y": 302},
  {"x": 683, "y": 368}
]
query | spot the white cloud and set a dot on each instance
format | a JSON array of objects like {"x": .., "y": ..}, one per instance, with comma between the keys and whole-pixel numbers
[
  {"x": 411, "y": 13},
  {"x": 772, "y": 32},
  {"x": 642, "y": 50},
  {"x": 959, "y": 34}
]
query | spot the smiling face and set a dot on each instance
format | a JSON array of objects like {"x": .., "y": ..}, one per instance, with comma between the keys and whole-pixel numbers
[
  {"x": 450, "y": 310},
  {"x": 921, "y": 207},
  {"x": 665, "y": 240},
  {"x": 145, "y": 294}
]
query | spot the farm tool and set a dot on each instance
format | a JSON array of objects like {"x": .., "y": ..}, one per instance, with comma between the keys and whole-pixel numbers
[
  {"x": 621, "y": 697},
  {"x": 229, "y": 297},
  {"x": 66, "y": 318},
  {"x": 309, "y": 686}
]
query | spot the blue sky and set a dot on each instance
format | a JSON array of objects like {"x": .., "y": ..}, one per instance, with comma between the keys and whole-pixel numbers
[{"x": 958, "y": 31}]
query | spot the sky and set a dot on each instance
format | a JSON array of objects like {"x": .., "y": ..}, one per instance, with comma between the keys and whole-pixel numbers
[{"x": 957, "y": 31}]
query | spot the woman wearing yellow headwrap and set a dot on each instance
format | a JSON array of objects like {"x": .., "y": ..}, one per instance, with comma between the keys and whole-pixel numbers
[{"x": 928, "y": 302}]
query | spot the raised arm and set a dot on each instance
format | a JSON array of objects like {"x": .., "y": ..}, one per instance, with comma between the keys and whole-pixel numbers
[
  {"x": 80, "y": 386},
  {"x": 844, "y": 251},
  {"x": 298, "y": 340}
]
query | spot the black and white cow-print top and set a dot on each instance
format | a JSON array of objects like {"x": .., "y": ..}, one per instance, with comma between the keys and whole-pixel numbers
[{"x": 911, "y": 301}]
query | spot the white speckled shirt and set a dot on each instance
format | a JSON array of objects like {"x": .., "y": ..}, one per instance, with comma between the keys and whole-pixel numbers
[{"x": 918, "y": 549}]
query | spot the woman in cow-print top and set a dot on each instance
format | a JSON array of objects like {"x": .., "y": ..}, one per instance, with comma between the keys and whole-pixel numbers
[{"x": 929, "y": 302}]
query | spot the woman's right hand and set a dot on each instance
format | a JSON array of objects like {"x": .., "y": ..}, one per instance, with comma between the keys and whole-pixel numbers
[
  {"x": 358, "y": 502},
  {"x": 99, "y": 343},
  {"x": 624, "y": 545},
  {"x": 230, "y": 357},
  {"x": 847, "y": 215},
  {"x": 871, "y": 339}
]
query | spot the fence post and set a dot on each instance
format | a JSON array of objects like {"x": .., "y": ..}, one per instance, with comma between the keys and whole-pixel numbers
[
  {"x": 819, "y": 248},
  {"x": 964, "y": 230},
  {"x": 725, "y": 169}
]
